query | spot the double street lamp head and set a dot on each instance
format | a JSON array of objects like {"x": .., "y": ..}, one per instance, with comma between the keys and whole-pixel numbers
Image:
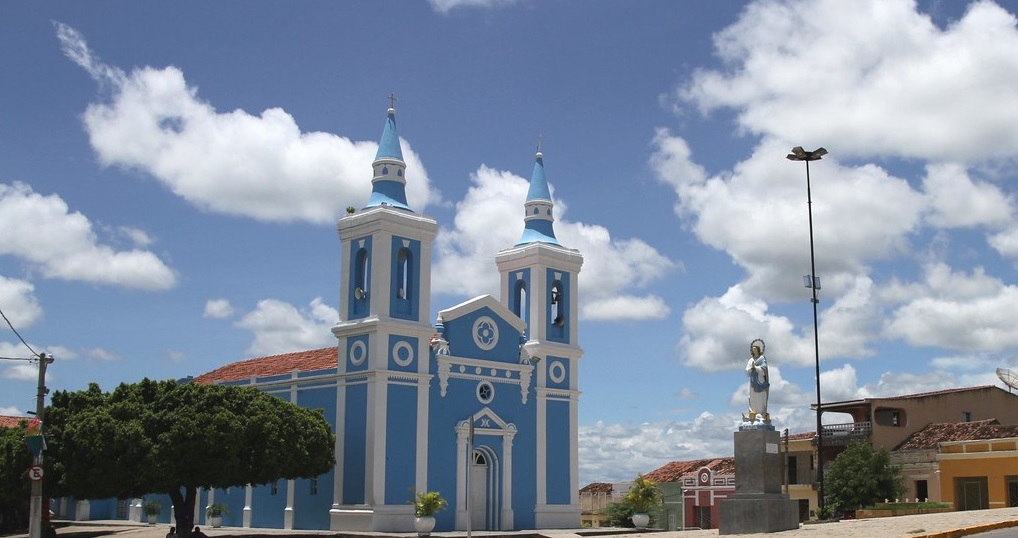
[{"x": 799, "y": 154}]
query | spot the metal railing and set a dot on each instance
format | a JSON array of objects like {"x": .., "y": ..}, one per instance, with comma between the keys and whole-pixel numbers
[{"x": 842, "y": 434}]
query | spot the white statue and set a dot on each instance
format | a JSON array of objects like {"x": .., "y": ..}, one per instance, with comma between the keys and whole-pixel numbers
[{"x": 759, "y": 383}]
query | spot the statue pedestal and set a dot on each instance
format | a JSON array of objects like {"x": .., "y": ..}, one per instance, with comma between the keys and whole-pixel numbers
[{"x": 758, "y": 504}]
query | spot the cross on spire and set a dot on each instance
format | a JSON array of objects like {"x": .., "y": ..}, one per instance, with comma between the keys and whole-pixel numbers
[
  {"x": 392, "y": 100},
  {"x": 540, "y": 141}
]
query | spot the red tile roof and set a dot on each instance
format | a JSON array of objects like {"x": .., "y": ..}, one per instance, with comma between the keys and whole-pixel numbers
[
  {"x": 933, "y": 434},
  {"x": 674, "y": 471},
  {"x": 305, "y": 361},
  {"x": 803, "y": 435},
  {"x": 7, "y": 421},
  {"x": 597, "y": 487}
]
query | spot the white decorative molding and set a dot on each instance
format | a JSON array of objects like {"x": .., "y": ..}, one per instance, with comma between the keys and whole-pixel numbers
[
  {"x": 396, "y": 349},
  {"x": 485, "y": 333},
  {"x": 473, "y": 370}
]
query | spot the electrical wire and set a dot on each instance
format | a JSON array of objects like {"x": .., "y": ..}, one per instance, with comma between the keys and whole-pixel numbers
[{"x": 9, "y": 324}]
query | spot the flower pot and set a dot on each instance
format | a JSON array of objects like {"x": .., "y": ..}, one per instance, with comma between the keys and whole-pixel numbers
[
  {"x": 216, "y": 521},
  {"x": 151, "y": 518},
  {"x": 641, "y": 520},
  {"x": 424, "y": 525}
]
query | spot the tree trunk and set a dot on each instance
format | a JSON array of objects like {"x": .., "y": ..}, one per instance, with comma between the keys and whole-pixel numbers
[{"x": 183, "y": 509}]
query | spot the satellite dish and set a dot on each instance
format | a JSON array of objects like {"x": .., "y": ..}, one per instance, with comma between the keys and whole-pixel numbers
[{"x": 1009, "y": 377}]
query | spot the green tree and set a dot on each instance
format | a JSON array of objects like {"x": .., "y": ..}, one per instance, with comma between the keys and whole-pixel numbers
[
  {"x": 861, "y": 476},
  {"x": 15, "y": 488},
  {"x": 161, "y": 437}
]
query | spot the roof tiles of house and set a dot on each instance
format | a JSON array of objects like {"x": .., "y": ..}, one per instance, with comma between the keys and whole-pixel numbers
[
  {"x": 803, "y": 435},
  {"x": 7, "y": 421},
  {"x": 304, "y": 361},
  {"x": 597, "y": 487},
  {"x": 933, "y": 434},
  {"x": 674, "y": 471}
]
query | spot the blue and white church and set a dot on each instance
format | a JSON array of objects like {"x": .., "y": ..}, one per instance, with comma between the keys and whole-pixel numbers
[{"x": 480, "y": 406}]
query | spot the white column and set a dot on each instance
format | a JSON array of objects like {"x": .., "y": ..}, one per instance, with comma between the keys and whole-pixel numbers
[
  {"x": 508, "y": 516},
  {"x": 248, "y": 498},
  {"x": 462, "y": 432}
]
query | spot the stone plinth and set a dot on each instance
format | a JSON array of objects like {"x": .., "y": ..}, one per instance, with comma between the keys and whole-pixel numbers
[{"x": 758, "y": 504}]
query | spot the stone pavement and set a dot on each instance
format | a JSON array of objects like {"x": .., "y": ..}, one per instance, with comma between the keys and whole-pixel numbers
[{"x": 942, "y": 525}]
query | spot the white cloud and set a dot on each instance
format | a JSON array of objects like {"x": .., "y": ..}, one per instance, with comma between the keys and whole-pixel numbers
[
  {"x": 280, "y": 327},
  {"x": 445, "y": 6},
  {"x": 11, "y": 412},
  {"x": 618, "y": 452},
  {"x": 262, "y": 167},
  {"x": 19, "y": 302},
  {"x": 956, "y": 310},
  {"x": 140, "y": 238},
  {"x": 22, "y": 372},
  {"x": 612, "y": 268},
  {"x": 60, "y": 244},
  {"x": 869, "y": 75},
  {"x": 100, "y": 354},
  {"x": 218, "y": 309},
  {"x": 958, "y": 201}
]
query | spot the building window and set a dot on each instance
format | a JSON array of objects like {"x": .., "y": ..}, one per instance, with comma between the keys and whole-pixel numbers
[
  {"x": 485, "y": 392},
  {"x": 968, "y": 416},
  {"x": 403, "y": 274}
]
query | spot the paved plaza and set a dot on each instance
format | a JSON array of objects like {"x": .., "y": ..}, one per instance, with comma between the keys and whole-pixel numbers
[{"x": 942, "y": 525}]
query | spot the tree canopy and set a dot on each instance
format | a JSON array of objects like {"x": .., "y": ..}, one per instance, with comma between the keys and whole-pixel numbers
[
  {"x": 861, "y": 476},
  {"x": 164, "y": 437},
  {"x": 15, "y": 459}
]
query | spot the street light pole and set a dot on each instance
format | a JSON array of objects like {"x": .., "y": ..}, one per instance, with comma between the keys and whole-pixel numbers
[
  {"x": 813, "y": 282},
  {"x": 36, "y": 506}
]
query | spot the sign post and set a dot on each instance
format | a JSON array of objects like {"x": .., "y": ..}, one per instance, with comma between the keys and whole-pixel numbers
[{"x": 37, "y": 444}]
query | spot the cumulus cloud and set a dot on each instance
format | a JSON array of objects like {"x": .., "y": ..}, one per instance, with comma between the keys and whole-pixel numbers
[
  {"x": 218, "y": 309},
  {"x": 956, "y": 310},
  {"x": 19, "y": 302},
  {"x": 878, "y": 77},
  {"x": 901, "y": 88},
  {"x": 612, "y": 268},
  {"x": 280, "y": 327},
  {"x": 62, "y": 244},
  {"x": 258, "y": 166},
  {"x": 618, "y": 452}
]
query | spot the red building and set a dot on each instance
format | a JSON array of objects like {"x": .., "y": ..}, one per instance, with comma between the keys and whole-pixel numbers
[{"x": 692, "y": 491}]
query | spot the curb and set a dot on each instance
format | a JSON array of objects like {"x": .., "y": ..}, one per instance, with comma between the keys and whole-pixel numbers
[{"x": 966, "y": 531}]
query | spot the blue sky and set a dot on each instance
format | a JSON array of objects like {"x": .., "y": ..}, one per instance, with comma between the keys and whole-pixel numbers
[{"x": 171, "y": 175}]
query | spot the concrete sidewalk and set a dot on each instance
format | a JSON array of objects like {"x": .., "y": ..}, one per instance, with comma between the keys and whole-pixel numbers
[{"x": 942, "y": 525}]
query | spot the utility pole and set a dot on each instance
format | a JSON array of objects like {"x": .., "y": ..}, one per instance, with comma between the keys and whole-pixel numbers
[{"x": 35, "y": 520}]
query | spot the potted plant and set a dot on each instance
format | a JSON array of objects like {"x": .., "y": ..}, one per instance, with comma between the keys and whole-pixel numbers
[
  {"x": 151, "y": 508},
  {"x": 215, "y": 512},
  {"x": 426, "y": 505},
  {"x": 644, "y": 496}
]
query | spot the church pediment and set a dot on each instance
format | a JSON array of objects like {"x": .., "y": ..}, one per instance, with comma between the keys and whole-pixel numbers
[{"x": 483, "y": 329}]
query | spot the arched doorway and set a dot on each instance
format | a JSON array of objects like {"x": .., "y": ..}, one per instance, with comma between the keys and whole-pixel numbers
[{"x": 484, "y": 490}]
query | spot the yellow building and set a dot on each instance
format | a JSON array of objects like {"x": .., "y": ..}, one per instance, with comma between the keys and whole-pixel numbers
[{"x": 979, "y": 474}]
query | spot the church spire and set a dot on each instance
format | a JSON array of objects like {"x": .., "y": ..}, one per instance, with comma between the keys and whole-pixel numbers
[
  {"x": 388, "y": 186},
  {"x": 537, "y": 221}
]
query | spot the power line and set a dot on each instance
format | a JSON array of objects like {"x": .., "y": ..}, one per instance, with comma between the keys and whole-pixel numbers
[{"x": 9, "y": 324}]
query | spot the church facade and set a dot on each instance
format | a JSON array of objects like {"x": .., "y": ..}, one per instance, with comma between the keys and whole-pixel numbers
[{"x": 481, "y": 405}]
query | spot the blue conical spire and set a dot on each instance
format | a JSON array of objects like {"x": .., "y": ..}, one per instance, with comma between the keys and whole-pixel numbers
[
  {"x": 537, "y": 220},
  {"x": 388, "y": 186}
]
